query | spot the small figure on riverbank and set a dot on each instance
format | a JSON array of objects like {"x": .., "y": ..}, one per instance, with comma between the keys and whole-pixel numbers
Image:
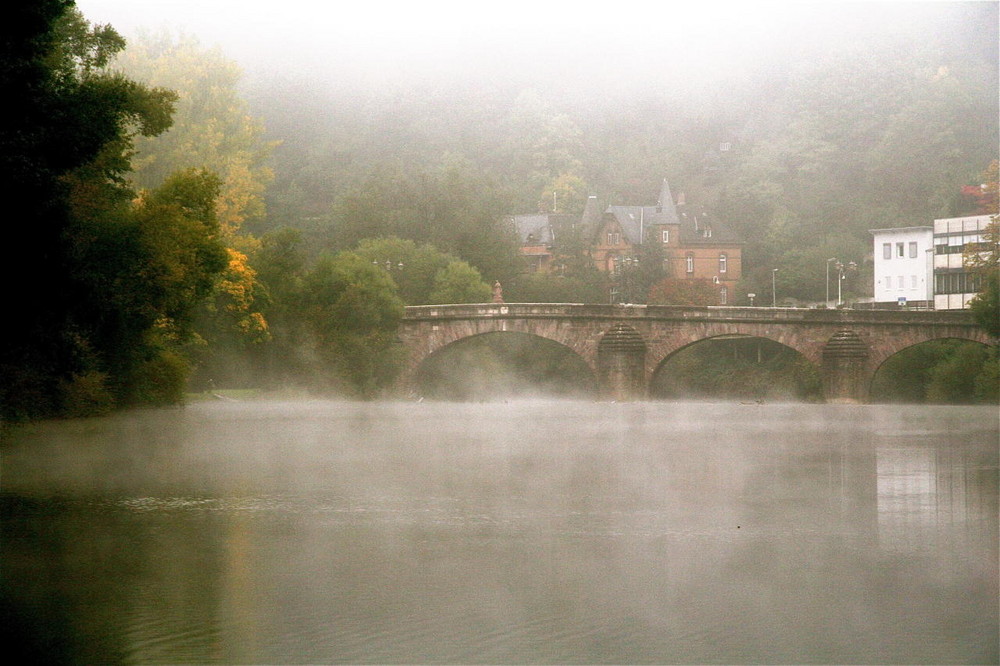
[{"x": 497, "y": 292}]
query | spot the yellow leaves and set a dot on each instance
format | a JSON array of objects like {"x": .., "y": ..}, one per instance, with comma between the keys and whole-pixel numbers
[
  {"x": 235, "y": 293},
  {"x": 242, "y": 195},
  {"x": 211, "y": 128}
]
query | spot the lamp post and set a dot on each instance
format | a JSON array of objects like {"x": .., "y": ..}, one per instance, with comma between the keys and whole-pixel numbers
[
  {"x": 930, "y": 277},
  {"x": 840, "y": 277},
  {"x": 828, "y": 261},
  {"x": 774, "y": 293}
]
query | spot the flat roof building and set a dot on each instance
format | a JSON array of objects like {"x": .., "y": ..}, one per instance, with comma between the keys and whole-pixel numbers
[
  {"x": 904, "y": 267},
  {"x": 954, "y": 284}
]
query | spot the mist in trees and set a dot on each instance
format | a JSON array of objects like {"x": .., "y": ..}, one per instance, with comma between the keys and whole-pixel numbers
[{"x": 187, "y": 219}]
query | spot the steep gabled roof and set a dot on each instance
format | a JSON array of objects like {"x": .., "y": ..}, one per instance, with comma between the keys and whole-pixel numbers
[
  {"x": 540, "y": 228},
  {"x": 634, "y": 220},
  {"x": 695, "y": 221}
]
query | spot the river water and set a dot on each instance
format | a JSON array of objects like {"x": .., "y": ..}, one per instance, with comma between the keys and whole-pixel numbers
[{"x": 536, "y": 531}]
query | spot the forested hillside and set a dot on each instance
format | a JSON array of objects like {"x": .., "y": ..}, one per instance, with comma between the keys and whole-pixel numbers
[{"x": 803, "y": 160}]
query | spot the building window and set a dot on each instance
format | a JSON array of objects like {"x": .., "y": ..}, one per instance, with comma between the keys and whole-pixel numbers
[
  {"x": 722, "y": 262},
  {"x": 887, "y": 250},
  {"x": 913, "y": 249},
  {"x": 666, "y": 267},
  {"x": 707, "y": 232},
  {"x": 913, "y": 282},
  {"x": 900, "y": 252},
  {"x": 689, "y": 263},
  {"x": 723, "y": 296},
  {"x": 614, "y": 238},
  {"x": 956, "y": 283},
  {"x": 899, "y": 281},
  {"x": 666, "y": 236}
]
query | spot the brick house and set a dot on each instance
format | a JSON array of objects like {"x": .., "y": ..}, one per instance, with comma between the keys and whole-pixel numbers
[{"x": 695, "y": 245}]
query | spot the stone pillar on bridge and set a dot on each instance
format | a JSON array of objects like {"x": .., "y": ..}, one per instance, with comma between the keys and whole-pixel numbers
[
  {"x": 621, "y": 364},
  {"x": 845, "y": 372}
]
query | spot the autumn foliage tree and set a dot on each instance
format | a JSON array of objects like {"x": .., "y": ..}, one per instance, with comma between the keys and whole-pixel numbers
[
  {"x": 212, "y": 130},
  {"x": 102, "y": 284}
]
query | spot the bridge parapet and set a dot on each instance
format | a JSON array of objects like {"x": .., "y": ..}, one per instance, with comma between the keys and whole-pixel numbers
[{"x": 686, "y": 313}]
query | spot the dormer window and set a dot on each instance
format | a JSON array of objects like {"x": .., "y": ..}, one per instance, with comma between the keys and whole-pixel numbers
[{"x": 707, "y": 232}]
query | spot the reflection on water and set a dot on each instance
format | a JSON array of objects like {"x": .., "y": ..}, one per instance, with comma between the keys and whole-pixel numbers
[{"x": 528, "y": 532}]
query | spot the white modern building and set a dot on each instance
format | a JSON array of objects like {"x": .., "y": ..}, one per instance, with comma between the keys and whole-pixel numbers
[
  {"x": 954, "y": 285},
  {"x": 904, "y": 266}
]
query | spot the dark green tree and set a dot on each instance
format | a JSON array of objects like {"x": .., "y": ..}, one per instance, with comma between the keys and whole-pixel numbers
[
  {"x": 352, "y": 311},
  {"x": 106, "y": 285}
]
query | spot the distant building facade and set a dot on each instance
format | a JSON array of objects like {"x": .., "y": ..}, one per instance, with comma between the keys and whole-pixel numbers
[
  {"x": 954, "y": 284},
  {"x": 904, "y": 267},
  {"x": 694, "y": 244},
  {"x": 537, "y": 235}
]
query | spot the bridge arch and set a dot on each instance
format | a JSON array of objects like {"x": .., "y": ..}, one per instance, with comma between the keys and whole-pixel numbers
[
  {"x": 503, "y": 363},
  {"x": 902, "y": 377},
  {"x": 746, "y": 366}
]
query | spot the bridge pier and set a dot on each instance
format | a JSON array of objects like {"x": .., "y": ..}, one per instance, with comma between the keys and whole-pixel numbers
[
  {"x": 845, "y": 370},
  {"x": 621, "y": 364}
]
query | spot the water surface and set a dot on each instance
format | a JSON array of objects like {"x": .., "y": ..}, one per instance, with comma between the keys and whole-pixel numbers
[{"x": 521, "y": 532}]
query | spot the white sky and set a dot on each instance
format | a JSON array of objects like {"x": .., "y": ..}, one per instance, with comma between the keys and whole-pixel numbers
[{"x": 382, "y": 37}]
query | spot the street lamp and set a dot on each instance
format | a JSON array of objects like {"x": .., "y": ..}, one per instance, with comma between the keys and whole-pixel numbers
[
  {"x": 774, "y": 293},
  {"x": 840, "y": 277},
  {"x": 831, "y": 259}
]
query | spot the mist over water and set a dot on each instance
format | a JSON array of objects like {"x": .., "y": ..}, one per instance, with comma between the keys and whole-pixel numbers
[{"x": 527, "y": 531}]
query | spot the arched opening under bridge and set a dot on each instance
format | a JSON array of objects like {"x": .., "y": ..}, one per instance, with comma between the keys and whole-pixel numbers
[
  {"x": 944, "y": 371},
  {"x": 501, "y": 365},
  {"x": 740, "y": 367}
]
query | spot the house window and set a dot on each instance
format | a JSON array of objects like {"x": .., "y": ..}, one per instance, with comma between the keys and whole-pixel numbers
[
  {"x": 899, "y": 281},
  {"x": 707, "y": 232},
  {"x": 689, "y": 263},
  {"x": 723, "y": 296},
  {"x": 722, "y": 262},
  {"x": 614, "y": 238},
  {"x": 887, "y": 250},
  {"x": 725, "y": 146},
  {"x": 666, "y": 236},
  {"x": 913, "y": 282},
  {"x": 666, "y": 267},
  {"x": 899, "y": 250},
  {"x": 913, "y": 249}
]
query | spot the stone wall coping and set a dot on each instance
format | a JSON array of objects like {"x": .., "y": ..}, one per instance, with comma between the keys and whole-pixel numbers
[{"x": 846, "y": 316}]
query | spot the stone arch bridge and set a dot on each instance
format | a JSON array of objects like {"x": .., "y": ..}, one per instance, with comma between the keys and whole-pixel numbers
[{"x": 624, "y": 344}]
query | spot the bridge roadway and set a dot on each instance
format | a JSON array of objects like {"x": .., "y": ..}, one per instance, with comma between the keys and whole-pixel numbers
[{"x": 625, "y": 344}]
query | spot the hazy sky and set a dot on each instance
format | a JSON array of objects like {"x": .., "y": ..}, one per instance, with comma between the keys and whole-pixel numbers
[{"x": 382, "y": 39}]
